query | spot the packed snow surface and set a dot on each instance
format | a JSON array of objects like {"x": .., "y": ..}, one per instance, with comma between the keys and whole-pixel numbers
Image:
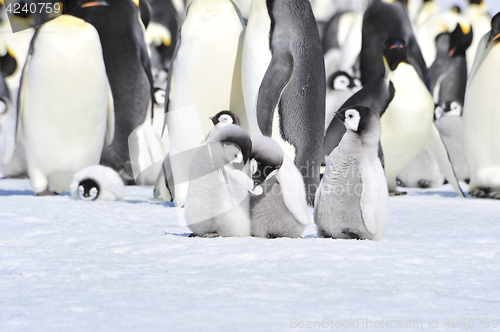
[{"x": 70, "y": 265}]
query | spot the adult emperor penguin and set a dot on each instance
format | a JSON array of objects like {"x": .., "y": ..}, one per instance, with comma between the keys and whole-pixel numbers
[
  {"x": 204, "y": 80},
  {"x": 217, "y": 202},
  {"x": 291, "y": 100},
  {"x": 383, "y": 20},
  {"x": 128, "y": 67},
  {"x": 477, "y": 14},
  {"x": 281, "y": 211},
  {"x": 481, "y": 116},
  {"x": 65, "y": 103},
  {"x": 448, "y": 74},
  {"x": 407, "y": 124},
  {"x": 352, "y": 197}
]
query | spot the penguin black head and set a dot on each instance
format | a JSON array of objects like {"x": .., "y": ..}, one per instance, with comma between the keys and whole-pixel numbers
[
  {"x": 456, "y": 9},
  {"x": 88, "y": 190},
  {"x": 495, "y": 30},
  {"x": 460, "y": 40},
  {"x": 395, "y": 52},
  {"x": 266, "y": 158},
  {"x": 225, "y": 118},
  {"x": 475, "y": 2},
  {"x": 342, "y": 81},
  {"x": 236, "y": 142},
  {"x": 361, "y": 120}
]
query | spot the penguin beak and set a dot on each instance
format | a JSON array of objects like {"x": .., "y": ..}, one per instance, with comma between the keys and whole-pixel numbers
[
  {"x": 94, "y": 4},
  {"x": 492, "y": 39}
]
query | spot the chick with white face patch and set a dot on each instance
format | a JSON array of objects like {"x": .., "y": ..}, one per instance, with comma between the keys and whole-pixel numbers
[
  {"x": 222, "y": 119},
  {"x": 97, "y": 182},
  {"x": 340, "y": 86},
  {"x": 481, "y": 116},
  {"x": 352, "y": 198},
  {"x": 217, "y": 202},
  {"x": 281, "y": 211}
]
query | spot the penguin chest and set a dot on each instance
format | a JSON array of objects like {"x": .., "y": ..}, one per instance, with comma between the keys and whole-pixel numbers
[
  {"x": 407, "y": 121},
  {"x": 205, "y": 63},
  {"x": 65, "y": 98}
]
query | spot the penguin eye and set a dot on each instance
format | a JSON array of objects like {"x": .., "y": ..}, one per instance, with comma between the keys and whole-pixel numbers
[{"x": 351, "y": 116}]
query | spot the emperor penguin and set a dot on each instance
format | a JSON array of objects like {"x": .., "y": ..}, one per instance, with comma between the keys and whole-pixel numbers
[
  {"x": 281, "y": 210},
  {"x": 340, "y": 86},
  {"x": 163, "y": 26},
  {"x": 376, "y": 95},
  {"x": 448, "y": 74},
  {"x": 408, "y": 122},
  {"x": 218, "y": 201},
  {"x": 383, "y": 20},
  {"x": 481, "y": 117},
  {"x": 128, "y": 67},
  {"x": 477, "y": 14},
  {"x": 442, "y": 23},
  {"x": 429, "y": 9},
  {"x": 291, "y": 100},
  {"x": 97, "y": 182},
  {"x": 203, "y": 80},
  {"x": 352, "y": 198},
  {"x": 222, "y": 119},
  {"x": 65, "y": 103}
]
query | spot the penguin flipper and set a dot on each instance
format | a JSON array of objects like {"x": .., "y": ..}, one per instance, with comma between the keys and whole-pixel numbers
[
  {"x": 169, "y": 81},
  {"x": 277, "y": 76},
  {"x": 161, "y": 185},
  {"x": 293, "y": 190},
  {"x": 110, "y": 126},
  {"x": 436, "y": 147},
  {"x": 22, "y": 94}
]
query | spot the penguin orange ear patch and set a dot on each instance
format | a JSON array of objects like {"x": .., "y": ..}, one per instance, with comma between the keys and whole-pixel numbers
[{"x": 93, "y": 4}]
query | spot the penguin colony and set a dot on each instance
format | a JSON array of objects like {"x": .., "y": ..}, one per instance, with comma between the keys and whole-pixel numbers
[{"x": 272, "y": 108}]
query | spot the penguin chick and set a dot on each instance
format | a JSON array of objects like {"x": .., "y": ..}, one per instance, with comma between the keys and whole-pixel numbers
[
  {"x": 281, "y": 211},
  {"x": 352, "y": 197},
  {"x": 97, "y": 182},
  {"x": 222, "y": 119},
  {"x": 340, "y": 86},
  {"x": 217, "y": 199}
]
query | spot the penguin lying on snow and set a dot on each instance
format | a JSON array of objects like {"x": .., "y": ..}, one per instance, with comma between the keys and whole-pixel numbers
[
  {"x": 352, "y": 198},
  {"x": 281, "y": 211},
  {"x": 97, "y": 183}
]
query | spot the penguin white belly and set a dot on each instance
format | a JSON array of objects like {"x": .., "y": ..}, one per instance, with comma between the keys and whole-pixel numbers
[
  {"x": 212, "y": 208},
  {"x": 65, "y": 106},
  {"x": 256, "y": 58},
  {"x": 481, "y": 120},
  {"x": 406, "y": 123},
  {"x": 202, "y": 77}
]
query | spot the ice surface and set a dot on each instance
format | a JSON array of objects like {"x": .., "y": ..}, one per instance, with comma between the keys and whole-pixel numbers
[{"x": 129, "y": 266}]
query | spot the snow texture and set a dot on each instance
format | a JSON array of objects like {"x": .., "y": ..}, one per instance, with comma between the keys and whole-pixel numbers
[{"x": 129, "y": 266}]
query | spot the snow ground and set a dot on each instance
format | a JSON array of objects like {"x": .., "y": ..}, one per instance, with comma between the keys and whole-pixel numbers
[{"x": 69, "y": 265}]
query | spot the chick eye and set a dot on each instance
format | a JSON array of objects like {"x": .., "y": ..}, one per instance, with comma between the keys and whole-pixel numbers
[{"x": 351, "y": 116}]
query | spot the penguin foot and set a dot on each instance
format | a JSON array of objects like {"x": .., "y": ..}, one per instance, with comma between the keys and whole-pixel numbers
[
  {"x": 352, "y": 233},
  {"x": 397, "y": 193},
  {"x": 210, "y": 235},
  {"x": 479, "y": 193},
  {"x": 272, "y": 236},
  {"x": 193, "y": 235},
  {"x": 424, "y": 184},
  {"x": 46, "y": 192},
  {"x": 494, "y": 195},
  {"x": 400, "y": 183}
]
